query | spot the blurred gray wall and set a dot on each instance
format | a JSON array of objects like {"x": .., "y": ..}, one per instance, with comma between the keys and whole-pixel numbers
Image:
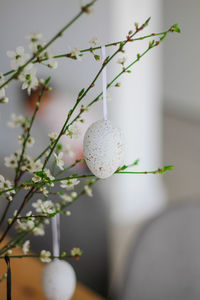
[{"x": 181, "y": 65}]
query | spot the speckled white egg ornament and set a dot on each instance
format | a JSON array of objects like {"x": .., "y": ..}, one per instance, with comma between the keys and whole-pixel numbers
[
  {"x": 58, "y": 280},
  {"x": 103, "y": 148}
]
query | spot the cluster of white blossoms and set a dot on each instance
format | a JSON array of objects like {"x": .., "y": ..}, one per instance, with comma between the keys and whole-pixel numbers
[
  {"x": 17, "y": 58},
  {"x": 28, "y": 163},
  {"x": 44, "y": 207},
  {"x": 37, "y": 42},
  {"x": 68, "y": 198},
  {"x": 24, "y": 225},
  {"x": 16, "y": 121},
  {"x": 69, "y": 184},
  {"x": 28, "y": 76},
  {"x": 20, "y": 59},
  {"x": 45, "y": 256},
  {"x": 30, "y": 141}
]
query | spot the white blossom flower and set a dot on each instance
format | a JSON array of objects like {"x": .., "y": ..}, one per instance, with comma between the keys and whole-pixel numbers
[
  {"x": 38, "y": 205},
  {"x": 36, "y": 41},
  {"x": 74, "y": 195},
  {"x": 44, "y": 191},
  {"x": 5, "y": 184},
  {"x": 34, "y": 166},
  {"x": 28, "y": 78},
  {"x": 29, "y": 214},
  {"x": 48, "y": 207},
  {"x": 60, "y": 163},
  {"x": 34, "y": 36},
  {"x": 51, "y": 61},
  {"x": 76, "y": 251},
  {"x": 26, "y": 247},
  {"x": 69, "y": 151},
  {"x": 74, "y": 131},
  {"x": 25, "y": 165},
  {"x": 67, "y": 213},
  {"x": 66, "y": 198},
  {"x": 39, "y": 230},
  {"x": 15, "y": 121},
  {"x": 18, "y": 57},
  {"x": 88, "y": 190},
  {"x": 20, "y": 139},
  {"x": 11, "y": 161},
  {"x": 36, "y": 178},
  {"x": 53, "y": 136},
  {"x": 44, "y": 207},
  {"x": 30, "y": 141},
  {"x": 76, "y": 53},
  {"x": 45, "y": 256},
  {"x": 48, "y": 173},
  {"x": 69, "y": 184},
  {"x": 25, "y": 225},
  {"x": 122, "y": 60},
  {"x": 94, "y": 41}
]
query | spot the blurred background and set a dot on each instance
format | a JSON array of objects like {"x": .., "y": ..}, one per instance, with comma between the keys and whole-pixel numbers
[{"x": 157, "y": 107}]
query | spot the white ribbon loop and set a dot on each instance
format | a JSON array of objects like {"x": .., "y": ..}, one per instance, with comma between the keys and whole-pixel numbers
[
  {"x": 55, "y": 223},
  {"x": 104, "y": 84}
]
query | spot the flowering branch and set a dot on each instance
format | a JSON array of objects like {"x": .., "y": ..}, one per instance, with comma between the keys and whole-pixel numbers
[
  {"x": 83, "y": 10},
  {"x": 19, "y": 238},
  {"x": 77, "y": 176},
  {"x": 43, "y": 179}
]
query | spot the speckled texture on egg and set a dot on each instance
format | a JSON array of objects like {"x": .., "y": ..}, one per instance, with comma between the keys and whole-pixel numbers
[
  {"x": 58, "y": 280},
  {"x": 103, "y": 148}
]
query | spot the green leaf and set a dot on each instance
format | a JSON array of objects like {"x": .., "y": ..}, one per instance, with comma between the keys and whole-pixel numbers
[
  {"x": 147, "y": 21},
  {"x": 162, "y": 37},
  {"x": 124, "y": 167},
  {"x": 59, "y": 147},
  {"x": 47, "y": 80},
  {"x": 97, "y": 57},
  {"x": 27, "y": 182},
  {"x": 165, "y": 169},
  {"x": 176, "y": 28},
  {"x": 43, "y": 175},
  {"x": 73, "y": 175},
  {"x": 63, "y": 254},
  {"x": 60, "y": 192},
  {"x": 81, "y": 93}
]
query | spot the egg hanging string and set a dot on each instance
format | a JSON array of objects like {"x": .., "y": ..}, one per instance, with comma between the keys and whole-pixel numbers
[
  {"x": 104, "y": 83},
  {"x": 56, "y": 235}
]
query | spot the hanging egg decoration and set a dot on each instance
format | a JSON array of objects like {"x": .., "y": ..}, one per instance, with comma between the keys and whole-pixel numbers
[
  {"x": 103, "y": 148},
  {"x": 58, "y": 280}
]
